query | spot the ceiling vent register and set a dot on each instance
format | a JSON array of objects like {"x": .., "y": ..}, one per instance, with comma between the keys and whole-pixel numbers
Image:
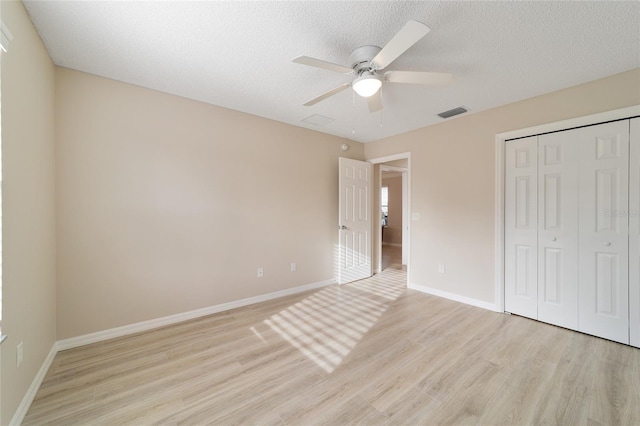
[{"x": 452, "y": 112}]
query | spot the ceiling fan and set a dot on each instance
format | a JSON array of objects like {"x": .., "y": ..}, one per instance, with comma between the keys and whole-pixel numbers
[{"x": 368, "y": 63}]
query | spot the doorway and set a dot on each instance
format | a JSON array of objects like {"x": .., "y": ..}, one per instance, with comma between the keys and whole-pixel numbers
[
  {"x": 392, "y": 220},
  {"x": 391, "y": 223}
]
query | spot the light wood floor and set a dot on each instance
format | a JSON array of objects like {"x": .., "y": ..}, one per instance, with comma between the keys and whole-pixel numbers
[
  {"x": 391, "y": 257},
  {"x": 371, "y": 352}
]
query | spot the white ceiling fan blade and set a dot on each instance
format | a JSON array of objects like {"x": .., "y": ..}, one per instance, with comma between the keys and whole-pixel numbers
[
  {"x": 327, "y": 94},
  {"x": 319, "y": 63},
  {"x": 406, "y": 37},
  {"x": 375, "y": 102},
  {"x": 419, "y": 77}
]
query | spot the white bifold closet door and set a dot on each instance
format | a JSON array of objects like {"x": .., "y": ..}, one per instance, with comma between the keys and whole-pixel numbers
[
  {"x": 558, "y": 230},
  {"x": 604, "y": 230},
  {"x": 521, "y": 226},
  {"x": 572, "y": 229},
  {"x": 634, "y": 233},
  {"x": 541, "y": 238}
]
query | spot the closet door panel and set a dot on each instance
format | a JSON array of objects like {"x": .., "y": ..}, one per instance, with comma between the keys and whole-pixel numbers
[
  {"x": 521, "y": 223},
  {"x": 634, "y": 233},
  {"x": 558, "y": 229},
  {"x": 603, "y": 222}
]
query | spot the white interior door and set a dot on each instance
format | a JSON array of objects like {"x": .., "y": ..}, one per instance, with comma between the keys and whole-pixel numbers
[
  {"x": 558, "y": 229},
  {"x": 604, "y": 239},
  {"x": 355, "y": 220},
  {"x": 634, "y": 233},
  {"x": 521, "y": 227}
]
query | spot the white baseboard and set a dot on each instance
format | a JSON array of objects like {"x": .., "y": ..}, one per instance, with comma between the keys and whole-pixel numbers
[
  {"x": 21, "y": 412},
  {"x": 100, "y": 336},
  {"x": 455, "y": 297}
]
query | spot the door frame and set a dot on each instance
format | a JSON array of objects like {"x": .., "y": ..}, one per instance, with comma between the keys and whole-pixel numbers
[
  {"x": 407, "y": 204},
  {"x": 500, "y": 142}
]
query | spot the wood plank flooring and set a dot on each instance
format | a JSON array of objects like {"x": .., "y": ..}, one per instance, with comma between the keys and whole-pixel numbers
[
  {"x": 391, "y": 257},
  {"x": 371, "y": 352}
]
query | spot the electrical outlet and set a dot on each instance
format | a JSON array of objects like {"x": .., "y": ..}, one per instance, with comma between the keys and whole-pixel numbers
[
  {"x": 293, "y": 266},
  {"x": 441, "y": 268},
  {"x": 19, "y": 354},
  {"x": 260, "y": 272}
]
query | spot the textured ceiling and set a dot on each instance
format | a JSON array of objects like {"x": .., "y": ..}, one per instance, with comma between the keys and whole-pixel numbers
[{"x": 238, "y": 54}]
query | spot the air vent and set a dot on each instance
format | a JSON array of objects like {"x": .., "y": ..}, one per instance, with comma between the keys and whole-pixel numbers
[
  {"x": 318, "y": 120},
  {"x": 452, "y": 112}
]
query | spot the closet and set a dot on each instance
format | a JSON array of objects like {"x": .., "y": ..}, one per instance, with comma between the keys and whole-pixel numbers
[{"x": 572, "y": 219}]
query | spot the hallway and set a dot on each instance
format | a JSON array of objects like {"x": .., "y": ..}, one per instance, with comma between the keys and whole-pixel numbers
[{"x": 392, "y": 257}]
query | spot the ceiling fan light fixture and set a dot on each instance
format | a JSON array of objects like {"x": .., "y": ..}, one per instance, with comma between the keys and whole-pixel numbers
[{"x": 367, "y": 84}]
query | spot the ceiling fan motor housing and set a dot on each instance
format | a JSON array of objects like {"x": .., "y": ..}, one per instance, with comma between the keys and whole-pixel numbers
[{"x": 361, "y": 58}]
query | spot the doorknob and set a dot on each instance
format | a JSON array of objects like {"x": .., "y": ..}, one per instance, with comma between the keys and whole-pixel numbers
[
  {"x": 607, "y": 244},
  {"x": 554, "y": 239},
  {"x": 342, "y": 227}
]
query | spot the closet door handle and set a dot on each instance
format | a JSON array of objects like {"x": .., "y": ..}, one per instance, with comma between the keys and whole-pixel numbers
[
  {"x": 554, "y": 239},
  {"x": 607, "y": 244}
]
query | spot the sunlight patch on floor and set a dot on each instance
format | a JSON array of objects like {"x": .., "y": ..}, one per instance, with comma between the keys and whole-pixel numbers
[{"x": 328, "y": 324}]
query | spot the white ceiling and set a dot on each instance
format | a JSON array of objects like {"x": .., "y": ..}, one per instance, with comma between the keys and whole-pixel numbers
[{"x": 238, "y": 54}]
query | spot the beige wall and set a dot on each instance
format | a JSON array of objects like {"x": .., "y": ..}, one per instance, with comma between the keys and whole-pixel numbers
[
  {"x": 452, "y": 172},
  {"x": 28, "y": 225},
  {"x": 166, "y": 205},
  {"x": 393, "y": 231}
]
